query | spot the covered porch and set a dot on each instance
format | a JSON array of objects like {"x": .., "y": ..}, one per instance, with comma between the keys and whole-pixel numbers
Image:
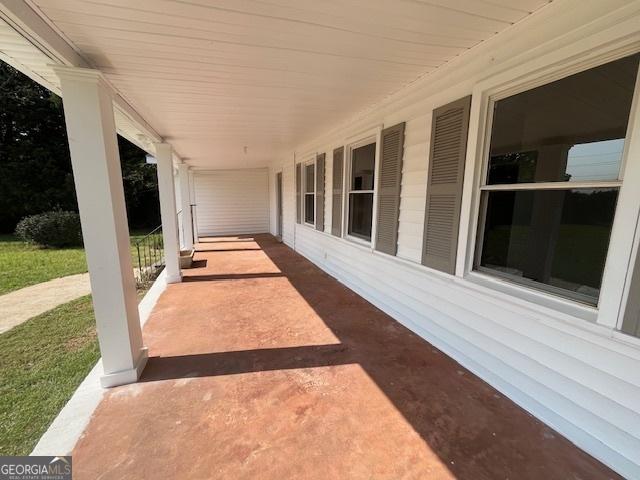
[
  {"x": 263, "y": 366},
  {"x": 363, "y": 135}
]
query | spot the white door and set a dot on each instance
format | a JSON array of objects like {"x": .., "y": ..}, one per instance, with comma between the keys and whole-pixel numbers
[{"x": 232, "y": 201}]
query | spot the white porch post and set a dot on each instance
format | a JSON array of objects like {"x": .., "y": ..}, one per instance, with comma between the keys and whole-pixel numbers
[
  {"x": 164, "y": 157},
  {"x": 185, "y": 198},
  {"x": 88, "y": 109}
]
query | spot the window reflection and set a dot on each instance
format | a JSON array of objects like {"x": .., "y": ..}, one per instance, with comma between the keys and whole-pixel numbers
[
  {"x": 569, "y": 130},
  {"x": 310, "y": 178},
  {"x": 557, "y": 238},
  {"x": 309, "y": 195},
  {"x": 360, "y": 215},
  {"x": 363, "y": 161},
  {"x": 363, "y": 167},
  {"x": 309, "y": 208},
  {"x": 595, "y": 160}
]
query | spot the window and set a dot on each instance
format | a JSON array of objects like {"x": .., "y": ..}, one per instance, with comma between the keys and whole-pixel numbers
[
  {"x": 361, "y": 186},
  {"x": 309, "y": 193},
  {"x": 554, "y": 170}
]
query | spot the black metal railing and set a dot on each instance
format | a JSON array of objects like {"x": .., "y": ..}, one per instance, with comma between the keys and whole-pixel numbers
[
  {"x": 193, "y": 223},
  {"x": 180, "y": 227},
  {"x": 150, "y": 252}
]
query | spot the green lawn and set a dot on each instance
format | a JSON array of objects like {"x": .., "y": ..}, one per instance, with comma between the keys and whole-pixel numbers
[
  {"x": 22, "y": 265},
  {"x": 42, "y": 362}
]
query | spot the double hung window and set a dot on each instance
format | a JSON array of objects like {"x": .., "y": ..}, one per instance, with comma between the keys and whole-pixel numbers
[
  {"x": 361, "y": 188},
  {"x": 309, "y": 193},
  {"x": 554, "y": 169}
]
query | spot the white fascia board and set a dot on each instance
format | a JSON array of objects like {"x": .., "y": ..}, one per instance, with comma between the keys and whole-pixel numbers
[
  {"x": 27, "y": 22},
  {"x": 22, "y": 17}
]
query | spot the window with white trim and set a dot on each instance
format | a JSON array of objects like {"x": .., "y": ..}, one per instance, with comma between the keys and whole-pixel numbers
[
  {"x": 310, "y": 193},
  {"x": 360, "y": 191},
  {"x": 550, "y": 187}
]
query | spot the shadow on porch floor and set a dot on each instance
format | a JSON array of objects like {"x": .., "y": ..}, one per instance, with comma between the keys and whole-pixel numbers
[{"x": 263, "y": 366}]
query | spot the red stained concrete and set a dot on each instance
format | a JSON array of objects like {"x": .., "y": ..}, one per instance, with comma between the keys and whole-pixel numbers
[{"x": 264, "y": 367}]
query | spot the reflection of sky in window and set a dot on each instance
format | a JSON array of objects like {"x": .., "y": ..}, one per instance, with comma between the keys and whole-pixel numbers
[{"x": 595, "y": 160}]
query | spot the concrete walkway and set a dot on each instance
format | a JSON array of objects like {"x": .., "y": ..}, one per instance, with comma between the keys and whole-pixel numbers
[
  {"x": 261, "y": 366},
  {"x": 19, "y": 306}
]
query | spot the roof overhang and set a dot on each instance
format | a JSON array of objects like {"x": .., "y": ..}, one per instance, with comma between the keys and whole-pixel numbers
[{"x": 233, "y": 85}]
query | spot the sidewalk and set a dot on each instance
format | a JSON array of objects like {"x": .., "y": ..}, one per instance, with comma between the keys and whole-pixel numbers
[{"x": 21, "y": 305}]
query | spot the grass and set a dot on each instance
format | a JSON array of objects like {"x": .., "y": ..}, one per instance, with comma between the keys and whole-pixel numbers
[
  {"x": 42, "y": 362},
  {"x": 22, "y": 265}
]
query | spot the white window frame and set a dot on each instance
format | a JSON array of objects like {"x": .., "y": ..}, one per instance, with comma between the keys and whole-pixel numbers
[
  {"x": 608, "y": 312},
  {"x": 305, "y": 193},
  {"x": 346, "y": 184}
]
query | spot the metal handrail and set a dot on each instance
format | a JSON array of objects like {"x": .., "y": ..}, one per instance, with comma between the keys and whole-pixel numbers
[
  {"x": 150, "y": 249},
  {"x": 180, "y": 226},
  {"x": 193, "y": 222}
]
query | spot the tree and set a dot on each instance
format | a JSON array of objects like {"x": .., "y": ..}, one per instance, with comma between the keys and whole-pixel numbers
[
  {"x": 35, "y": 167},
  {"x": 140, "y": 186}
]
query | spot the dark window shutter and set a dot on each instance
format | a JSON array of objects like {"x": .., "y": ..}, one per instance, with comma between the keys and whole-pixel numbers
[
  {"x": 631, "y": 321},
  {"x": 388, "y": 213},
  {"x": 320, "y": 191},
  {"x": 336, "y": 201},
  {"x": 449, "y": 129},
  {"x": 298, "y": 193}
]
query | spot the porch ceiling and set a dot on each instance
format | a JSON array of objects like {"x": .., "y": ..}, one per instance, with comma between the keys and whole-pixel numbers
[{"x": 214, "y": 76}]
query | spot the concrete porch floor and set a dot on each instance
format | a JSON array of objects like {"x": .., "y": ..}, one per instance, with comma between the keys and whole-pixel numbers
[{"x": 262, "y": 366}]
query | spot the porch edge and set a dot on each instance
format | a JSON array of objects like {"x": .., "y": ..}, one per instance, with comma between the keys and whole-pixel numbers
[{"x": 67, "y": 428}]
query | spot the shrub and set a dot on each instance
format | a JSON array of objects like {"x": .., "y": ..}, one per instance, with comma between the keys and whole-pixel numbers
[{"x": 51, "y": 229}]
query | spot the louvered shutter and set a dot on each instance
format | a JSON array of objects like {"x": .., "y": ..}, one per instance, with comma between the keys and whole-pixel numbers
[
  {"x": 336, "y": 200},
  {"x": 391, "y": 149},
  {"x": 298, "y": 194},
  {"x": 320, "y": 191},
  {"x": 449, "y": 129},
  {"x": 631, "y": 321}
]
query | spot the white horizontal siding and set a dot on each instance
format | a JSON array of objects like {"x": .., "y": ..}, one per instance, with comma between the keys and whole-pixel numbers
[
  {"x": 414, "y": 184},
  {"x": 328, "y": 190},
  {"x": 273, "y": 202},
  {"x": 583, "y": 389},
  {"x": 580, "y": 379},
  {"x": 232, "y": 201},
  {"x": 288, "y": 202}
]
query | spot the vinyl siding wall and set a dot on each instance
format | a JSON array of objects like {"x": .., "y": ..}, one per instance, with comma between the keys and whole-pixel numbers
[
  {"x": 414, "y": 184},
  {"x": 232, "y": 201},
  {"x": 581, "y": 378},
  {"x": 288, "y": 202}
]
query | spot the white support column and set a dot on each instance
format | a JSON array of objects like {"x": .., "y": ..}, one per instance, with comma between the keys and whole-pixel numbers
[
  {"x": 164, "y": 157},
  {"x": 185, "y": 198},
  {"x": 88, "y": 109}
]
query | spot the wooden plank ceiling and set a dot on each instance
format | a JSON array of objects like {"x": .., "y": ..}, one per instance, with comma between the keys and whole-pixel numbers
[{"x": 214, "y": 76}]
